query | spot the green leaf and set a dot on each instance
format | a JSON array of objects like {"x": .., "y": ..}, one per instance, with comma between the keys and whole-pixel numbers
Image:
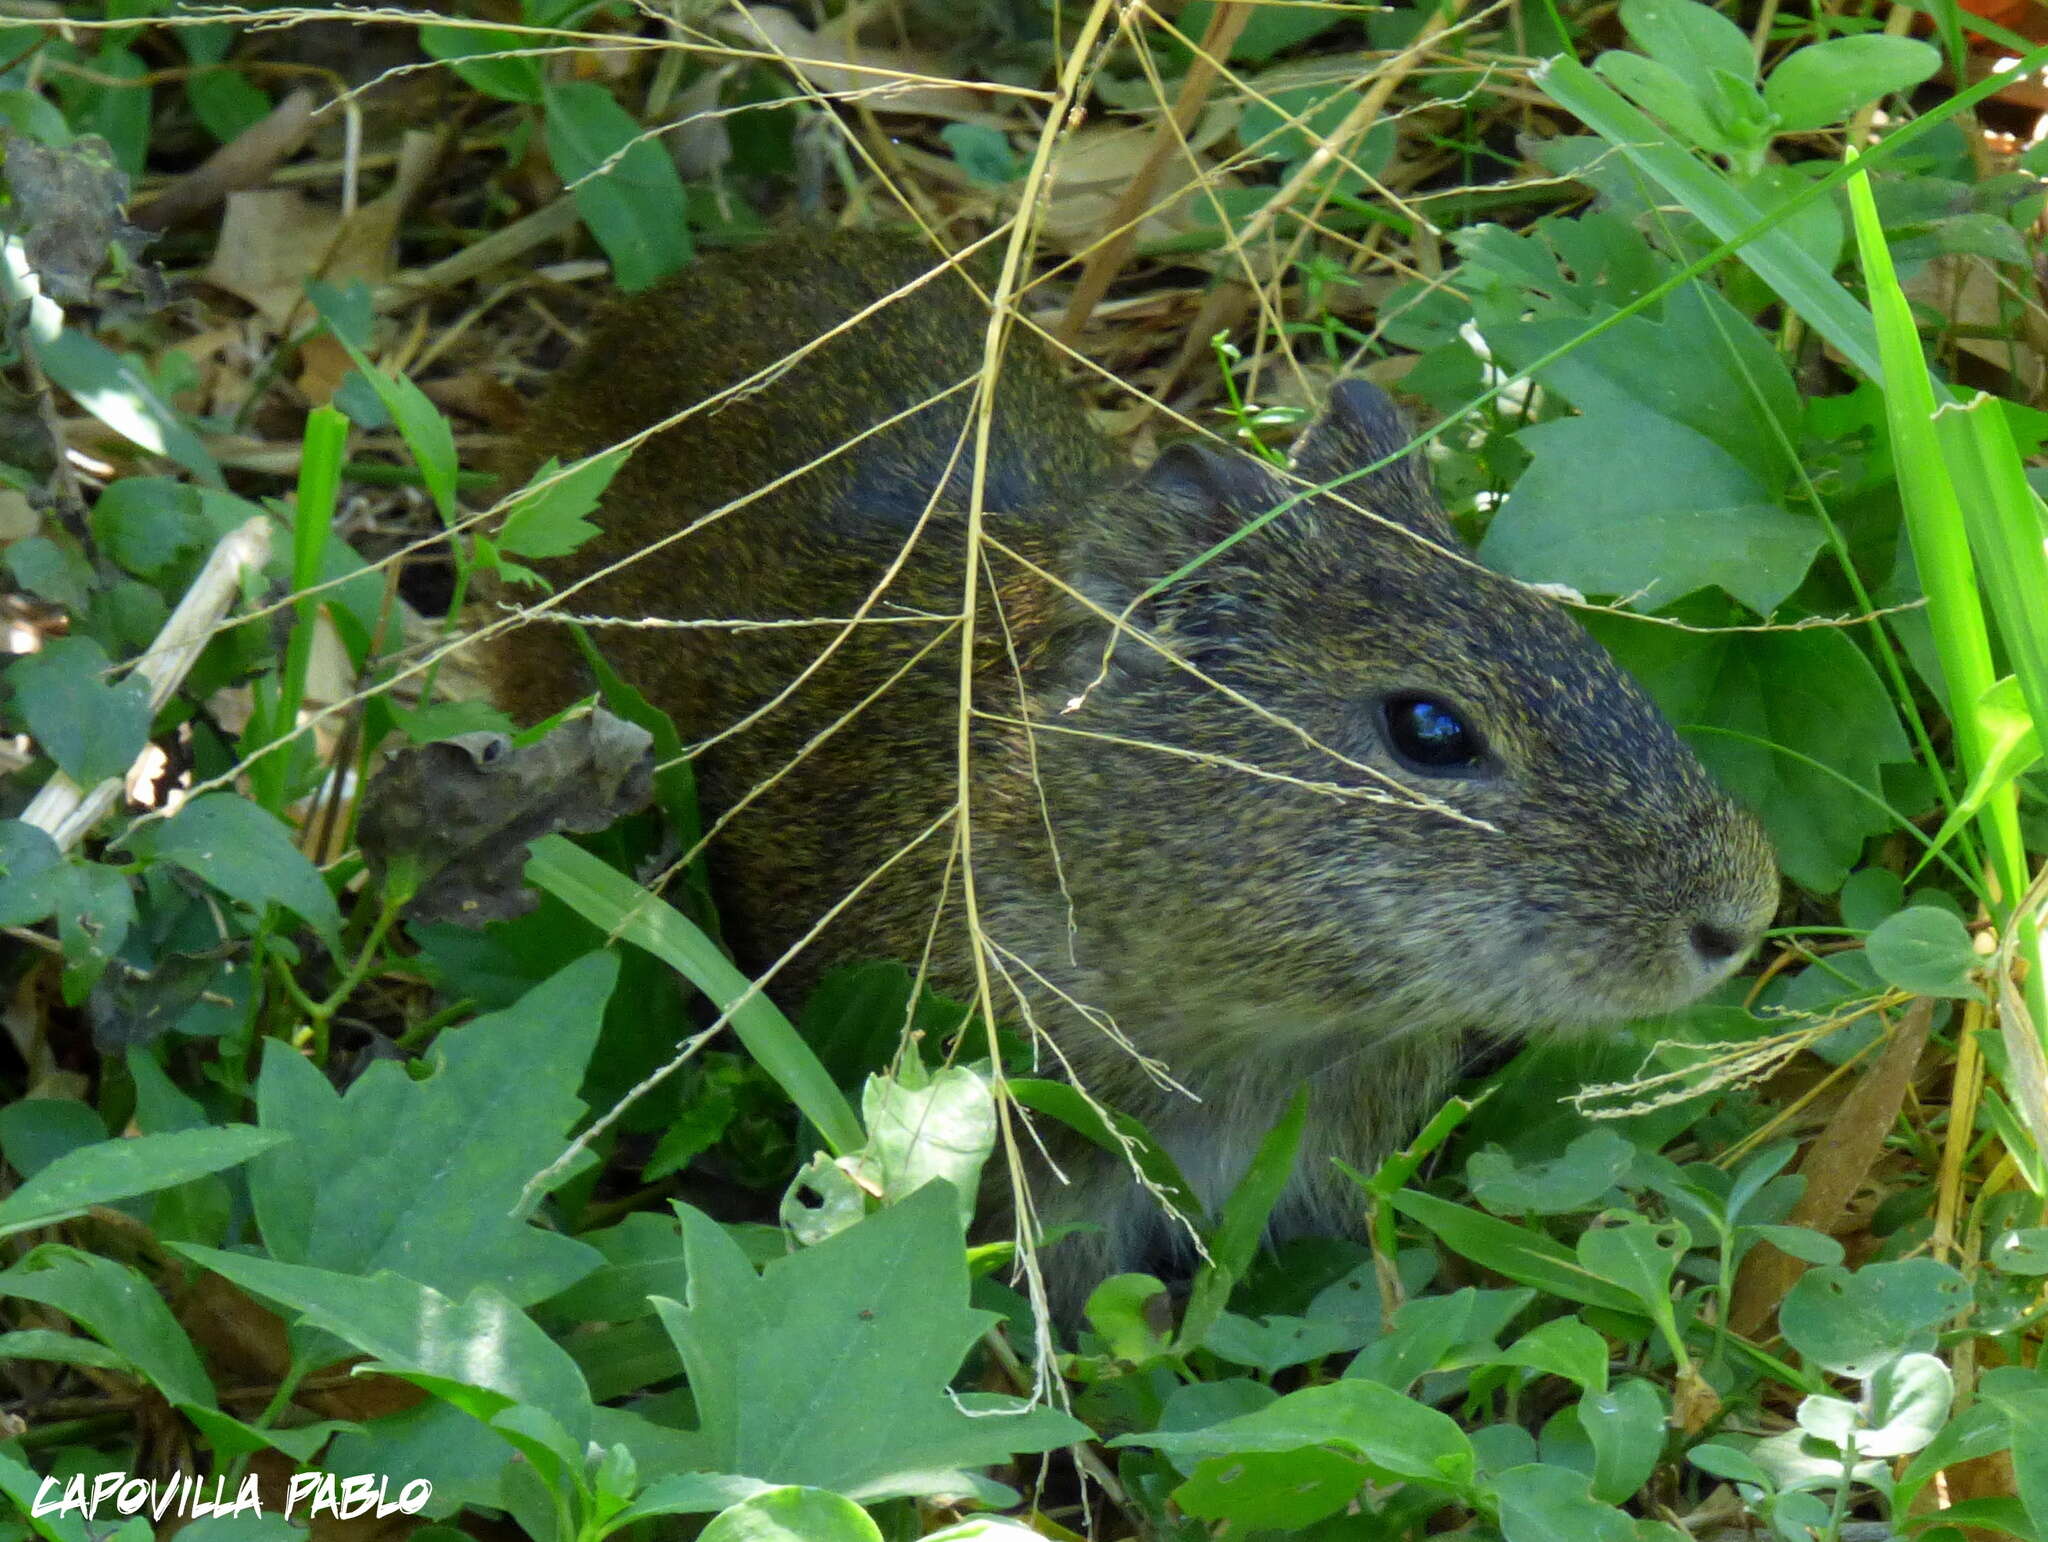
[
  {"x": 1869, "y": 896},
  {"x": 426, "y": 432},
  {"x": 515, "y": 79},
  {"x": 243, "y": 851},
  {"x": 1577, "y": 1180},
  {"x": 1626, "y": 1428},
  {"x": 789, "y": 1367},
  {"x": 2022, "y": 1251},
  {"x": 480, "y": 1342},
  {"x": 1925, "y": 950},
  {"x": 982, "y": 151},
  {"x": 29, "y": 861},
  {"x": 109, "y": 1170},
  {"x": 52, "y": 572},
  {"x": 1856, "y": 1323},
  {"x": 925, "y": 1125},
  {"x": 116, "y": 392},
  {"x": 1734, "y": 391},
  {"x": 1690, "y": 516},
  {"x": 1691, "y": 39},
  {"x": 1565, "y": 1347},
  {"x": 1819, "y": 84},
  {"x": 1522, "y": 1254},
  {"x": 1657, "y": 88},
  {"x": 1811, "y": 692},
  {"x": 609, "y": 899},
  {"x": 91, "y": 727},
  {"x": 1639, "y": 1256},
  {"x": 1909, "y": 1401},
  {"x": 121, "y": 1309},
  {"x": 1427, "y": 1329},
  {"x": 1403, "y": 1439},
  {"x": 636, "y": 208},
  {"x": 793, "y": 1515},
  {"x": 148, "y": 523},
  {"x": 345, "y": 1194},
  {"x": 1543, "y": 1503},
  {"x": 1272, "y": 1490},
  {"x": 550, "y": 522}
]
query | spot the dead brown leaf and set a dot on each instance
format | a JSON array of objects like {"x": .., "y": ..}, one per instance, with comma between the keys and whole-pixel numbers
[{"x": 1835, "y": 1167}]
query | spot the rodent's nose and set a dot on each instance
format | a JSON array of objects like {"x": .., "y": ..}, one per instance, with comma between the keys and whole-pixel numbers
[{"x": 1716, "y": 944}]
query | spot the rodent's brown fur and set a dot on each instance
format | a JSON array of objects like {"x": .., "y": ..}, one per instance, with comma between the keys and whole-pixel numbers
[{"x": 1246, "y": 932}]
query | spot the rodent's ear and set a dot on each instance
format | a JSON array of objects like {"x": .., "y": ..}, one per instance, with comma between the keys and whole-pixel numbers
[
  {"x": 1187, "y": 501},
  {"x": 1360, "y": 425},
  {"x": 1203, "y": 482}
]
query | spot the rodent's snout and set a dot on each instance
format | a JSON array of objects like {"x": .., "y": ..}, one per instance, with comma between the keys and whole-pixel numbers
[{"x": 1721, "y": 942}]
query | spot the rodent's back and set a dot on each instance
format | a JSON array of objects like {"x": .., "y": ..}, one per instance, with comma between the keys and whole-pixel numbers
[{"x": 801, "y": 545}]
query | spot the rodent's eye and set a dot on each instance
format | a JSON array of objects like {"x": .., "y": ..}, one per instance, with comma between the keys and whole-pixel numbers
[{"x": 1430, "y": 734}]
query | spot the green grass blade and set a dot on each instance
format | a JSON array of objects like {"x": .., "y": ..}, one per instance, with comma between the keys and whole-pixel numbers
[
  {"x": 1934, "y": 523},
  {"x": 607, "y": 898}
]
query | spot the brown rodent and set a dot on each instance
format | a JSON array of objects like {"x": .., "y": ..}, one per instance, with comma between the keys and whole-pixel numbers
[{"x": 1223, "y": 880}]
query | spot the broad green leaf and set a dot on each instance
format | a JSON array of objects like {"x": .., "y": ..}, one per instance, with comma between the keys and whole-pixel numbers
[
  {"x": 29, "y": 859},
  {"x": 480, "y": 1342},
  {"x": 982, "y": 151},
  {"x": 690, "y": 1493},
  {"x": 1589, "y": 1168},
  {"x": 1426, "y": 1329},
  {"x": 1910, "y": 1400},
  {"x": 91, "y": 726},
  {"x": 52, "y": 572},
  {"x": 63, "y": 1349},
  {"x": 1735, "y": 390},
  {"x": 1626, "y": 1427},
  {"x": 1657, "y": 88},
  {"x": 1818, "y": 84},
  {"x": 496, "y": 1109},
  {"x": 1855, "y": 1323},
  {"x": 1131, "y": 1313},
  {"x": 514, "y": 79},
  {"x": 926, "y": 1125},
  {"x": 607, "y": 898},
  {"x": 1272, "y": 1490},
  {"x": 1926, "y": 950},
  {"x": 550, "y": 522},
  {"x": 790, "y": 1368},
  {"x": 1691, "y": 516},
  {"x": 243, "y": 851},
  {"x": 147, "y": 523},
  {"x": 793, "y": 1515},
  {"x": 1870, "y": 896},
  {"x": 120, "y": 1169},
  {"x": 1400, "y": 1437},
  {"x": 1639, "y": 1256},
  {"x": 1271, "y": 1344},
  {"x": 1520, "y": 1253},
  {"x": 1565, "y": 1347},
  {"x": 119, "y": 1307},
  {"x": 1814, "y": 694},
  {"x": 636, "y": 206},
  {"x": 2023, "y": 1251},
  {"x": 1543, "y": 1503},
  {"x": 1689, "y": 38},
  {"x": 115, "y": 391}
]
